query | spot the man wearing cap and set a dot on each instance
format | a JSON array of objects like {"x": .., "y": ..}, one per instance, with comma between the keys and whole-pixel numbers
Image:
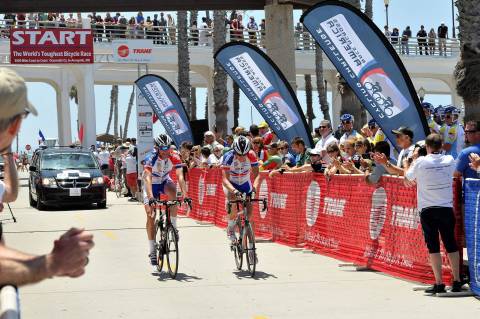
[
  {"x": 428, "y": 110},
  {"x": 326, "y": 138},
  {"x": 70, "y": 252},
  {"x": 404, "y": 137},
  {"x": 265, "y": 133},
  {"x": 442, "y": 33},
  {"x": 463, "y": 167},
  {"x": 454, "y": 136},
  {"x": 347, "y": 128},
  {"x": 209, "y": 140},
  {"x": 374, "y": 128}
]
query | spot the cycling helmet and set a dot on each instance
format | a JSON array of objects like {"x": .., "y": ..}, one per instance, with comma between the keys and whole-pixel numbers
[
  {"x": 452, "y": 110},
  {"x": 346, "y": 117},
  {"x": 242, "y": 145},
  {"x": 428, "y": 106},
  {"x": 372, "y": 122},
  {"x": 440, "y": 110},
  {"x": 163, "y": 140}
]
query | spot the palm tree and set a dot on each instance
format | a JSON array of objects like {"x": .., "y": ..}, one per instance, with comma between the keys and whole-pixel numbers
[
  {"x": 321, "y": 89},
  {"x": 369, "y": 8},
  {"x": 193, "y": 90},
  {"x": 467, "y": 71},
  {"x": 129, "y": 112},
  {"x": 220, "y": 76},
  {"x": 115, "y": 110},
  {"x": 308, "y": 94},
  {"x": 183, "y": 61},
  {"x": 236, "y": 103},
  {"x": 110, "y": 117}
]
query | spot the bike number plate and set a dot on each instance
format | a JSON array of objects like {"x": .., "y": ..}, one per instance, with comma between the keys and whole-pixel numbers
[{"x": 75, "y": 192}]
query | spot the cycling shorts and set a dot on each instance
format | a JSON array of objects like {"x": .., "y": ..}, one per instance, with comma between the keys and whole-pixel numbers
[
  {"x": 158, "y": 189},
  {"x": 245, "y": 188}
]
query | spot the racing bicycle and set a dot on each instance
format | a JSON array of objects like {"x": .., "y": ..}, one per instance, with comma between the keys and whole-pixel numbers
[
  {"x": 245, "y": 237},
  {"x": 166, "y": 236}
]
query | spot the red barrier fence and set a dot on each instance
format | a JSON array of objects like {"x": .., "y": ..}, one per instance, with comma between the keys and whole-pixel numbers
[{"x": 377, "y": 226}]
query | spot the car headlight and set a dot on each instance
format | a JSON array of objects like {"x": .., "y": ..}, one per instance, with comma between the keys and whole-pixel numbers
[
  {"x": 49, "y": 182},
  {"x": 97, "y": 181}
]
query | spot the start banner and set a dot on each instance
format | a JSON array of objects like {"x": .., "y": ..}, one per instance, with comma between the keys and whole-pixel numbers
[
  {"x": 46, "y": 46},
  {"x": 376, "y": 226}
]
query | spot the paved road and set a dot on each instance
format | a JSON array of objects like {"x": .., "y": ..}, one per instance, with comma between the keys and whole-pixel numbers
[{"x": 119, "y": 283}]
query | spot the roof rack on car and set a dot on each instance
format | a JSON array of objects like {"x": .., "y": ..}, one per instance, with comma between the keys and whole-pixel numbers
[{"x": 43, "y": 147}]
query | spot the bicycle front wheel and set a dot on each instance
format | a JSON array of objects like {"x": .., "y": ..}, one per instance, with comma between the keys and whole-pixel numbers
[
  {"x": 171, "y": 250},
  {"x": 237, "y": 248},
  {"x": 160, "y": 246},
  {"x": 249, "y": 249}
]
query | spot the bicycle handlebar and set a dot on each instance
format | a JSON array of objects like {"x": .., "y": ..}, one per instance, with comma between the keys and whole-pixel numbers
[
  {"x": 247, "y": 199},
  {"x": 175, "y": 202}
]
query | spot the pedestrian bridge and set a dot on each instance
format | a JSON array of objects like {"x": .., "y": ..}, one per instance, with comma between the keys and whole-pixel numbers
[{"x": 433, "y": 73}]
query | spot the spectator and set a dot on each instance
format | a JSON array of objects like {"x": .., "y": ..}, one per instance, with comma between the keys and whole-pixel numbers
[
  {"x": 203, "y": 31},
  {"x": 98, "y": 28},
  {"x": 262, "y": 33},
  {"x": 131, "y": 173},
  {"x": 381, "y": 153},
  {"x": 70, "y": 252},
  {"x": 475, "y": 163},
  {"x": 454, "y": 135},
  {"x": 71, "y": 21},
  {"x": 349, "y": 149},
  {"x": 240, "y": 130},
  {"x": 404, "y": 139},
  {"x": 314, "y": 165},
  {"x": 122, "y": 27},
  {"x": 387, "y": 33},
  {"x": 252, "y": 30},
  {"x": 103, "y": 158},
  {"x": 259, "y": 149},
  {"x": 149, "y": 28},
  {"x": 228, "y": 141},
  {"x": 109, "y": 26},
  {"x": 472, "y": 135},
  {"x": 422, "y": 40},
  {"x": 140, "y": 19},
  {"x": 217, "y": 154},
  {"x": 326, "y": 138},
  {"x": 433, "y": 174},
  {"x": 406, "y": 35},
  {"x": 347, "y": 128},
  {"x": 287, "y": 158},
  {"x": 132, "y": 28},
  {"x": 333, "y": 152},
  {"x": 209, "y": 140},
  {"x": 254, "y": 131},
  {"x": 194, "y": 33},
  {"x": 442, "y": 33},
  {"x": 394, "y": 36},
  {"x": 265, "y": 133},
  {"x": 196, "y": 157},
  {"x": 298, "y": 146},
  {"x": 163, "y": 29},
  {"x": 156, "y": 29},
  {"x": 172, "y": 30},
  {"x": 206, "y": 160},
  {"x": 274, "y": 159},
  {"x": 431, "y": 41}
]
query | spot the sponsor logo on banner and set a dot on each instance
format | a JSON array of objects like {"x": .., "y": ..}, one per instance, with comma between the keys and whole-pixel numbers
[
  {"x": 201, "y": 189},
  {"x": 357, "y": 61},
  {"x": 279, "y": 200},
  {"x": 378, "y": 212},
  {"x": 405, "y": 217},
  {"x": 175, "y": 121},
  {"x": 132, "y": 51},
  {"x": 273, "y": 105},
  {"x": 51, "y": 46},
  {"x": 312, "y": 204},
  {"x": 334, "y": 206},
  {"x": 263, "y": 194},
  {"x": 159, "y": 95}
]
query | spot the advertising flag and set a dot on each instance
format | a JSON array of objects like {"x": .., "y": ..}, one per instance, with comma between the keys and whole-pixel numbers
[
  {"x": 267, "y": 88},
  {"x": 40, "y": 134},
  {"x": 168, "y": 107},
  {"x": 369, "y": 64}
]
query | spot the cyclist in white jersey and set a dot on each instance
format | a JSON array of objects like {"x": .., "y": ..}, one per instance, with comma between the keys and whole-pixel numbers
[
  {"x": 237, "y": 166},
  {"x": 156, "y": 181}
]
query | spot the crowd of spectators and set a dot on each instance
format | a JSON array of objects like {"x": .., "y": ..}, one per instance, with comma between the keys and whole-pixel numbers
[{"x": 428, "y": 42}]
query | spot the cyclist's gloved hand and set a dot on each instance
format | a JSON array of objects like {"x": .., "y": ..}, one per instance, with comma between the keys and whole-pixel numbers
[
  {"x": 152, "y": 202},
  {"x": 237, "y": 193},
  {"x": 253, "y": 193}
]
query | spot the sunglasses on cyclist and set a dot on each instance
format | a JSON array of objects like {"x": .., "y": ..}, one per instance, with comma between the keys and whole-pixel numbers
[
  {"x": 346, "y": 122},
  {"x": 320, "y": 127},
  {"x": 163, "y": 148}
]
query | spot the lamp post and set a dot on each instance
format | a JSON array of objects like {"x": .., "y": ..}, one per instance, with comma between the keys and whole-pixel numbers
[
  {"x": 387, "y": 2},
  {"x": 421, "y": 94},
  {"x": 453, "y": 20}
]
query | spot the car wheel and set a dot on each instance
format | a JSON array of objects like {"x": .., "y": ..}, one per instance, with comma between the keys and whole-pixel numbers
[
  {"x": 102, "y": 205},
  {"x": 30, "y": 199}
]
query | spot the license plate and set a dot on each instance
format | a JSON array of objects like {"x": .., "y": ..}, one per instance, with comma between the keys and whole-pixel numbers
[{"x": 75, "y": 191}]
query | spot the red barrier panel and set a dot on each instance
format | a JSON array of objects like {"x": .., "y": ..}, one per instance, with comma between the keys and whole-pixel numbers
[{"x": 374, "y": 226}]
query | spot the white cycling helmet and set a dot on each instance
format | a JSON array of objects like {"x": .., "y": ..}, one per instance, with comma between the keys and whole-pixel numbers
[
  {"x": 162, "y": 140},
  {"x": 242, "y": 145}
]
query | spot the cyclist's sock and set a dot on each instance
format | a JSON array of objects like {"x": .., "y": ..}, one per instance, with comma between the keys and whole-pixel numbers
[
  {"x": 174, "y": 221},
  {"x": 231, "y": 224},
  {"x": 151, "y": 244}
]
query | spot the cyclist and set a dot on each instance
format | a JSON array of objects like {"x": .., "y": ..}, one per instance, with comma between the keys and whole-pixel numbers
[
  {"x": 347, "y": 128},
  {"x": 454, "y": 135},
  {"x": 428, "y": 110},
  {"x": 237, "y": 166},
  {"x": 156, "y": 181}
]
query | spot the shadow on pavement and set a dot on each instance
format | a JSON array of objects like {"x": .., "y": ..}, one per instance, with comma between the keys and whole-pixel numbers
[
  {"x": 243, "y": 274},
  {"x": 181, "y": 277}
]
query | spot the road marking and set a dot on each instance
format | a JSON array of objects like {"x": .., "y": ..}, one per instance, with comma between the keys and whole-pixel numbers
[
  {"x": 260, "y": 317},
  {"x": 110, "y": 234}
]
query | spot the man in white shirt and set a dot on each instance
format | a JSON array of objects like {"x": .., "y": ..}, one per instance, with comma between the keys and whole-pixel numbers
[
  {"x": 103, "y": 158},
  {"x": 131, "y": 173},
  {"x": 326, "y": 139},
  {"x": 404, "y": 139},
  {"x": 433, "y": 175}
]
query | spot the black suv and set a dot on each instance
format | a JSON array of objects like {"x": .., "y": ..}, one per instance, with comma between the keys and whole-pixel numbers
[{"x": 65, "y": 175}]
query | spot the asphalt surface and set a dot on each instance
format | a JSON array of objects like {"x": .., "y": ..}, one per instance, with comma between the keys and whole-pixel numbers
[{"x": 120, "y": 283}]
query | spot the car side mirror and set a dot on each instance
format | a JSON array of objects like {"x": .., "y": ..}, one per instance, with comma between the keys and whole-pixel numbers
[{"x": 32, "y": 169}]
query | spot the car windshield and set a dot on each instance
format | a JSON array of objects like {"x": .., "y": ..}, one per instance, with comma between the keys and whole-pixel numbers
[{"x": 59, "y": 161}]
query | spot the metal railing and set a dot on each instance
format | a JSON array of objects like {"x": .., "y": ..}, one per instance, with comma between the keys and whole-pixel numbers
[
  {"x": 9, "y": 303},
  {"x": 106, "y": 32}
]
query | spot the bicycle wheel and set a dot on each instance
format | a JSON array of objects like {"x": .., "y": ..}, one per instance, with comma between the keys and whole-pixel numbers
[
  {"x": 160, "y": 246},
  {"x": 237, "y": 248},
  {"x": 249, "y": 249},
  {"x": 171, "y": 250}
]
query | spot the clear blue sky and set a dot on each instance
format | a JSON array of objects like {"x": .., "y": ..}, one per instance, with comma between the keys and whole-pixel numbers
[{"x": 401, "y": 13}]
